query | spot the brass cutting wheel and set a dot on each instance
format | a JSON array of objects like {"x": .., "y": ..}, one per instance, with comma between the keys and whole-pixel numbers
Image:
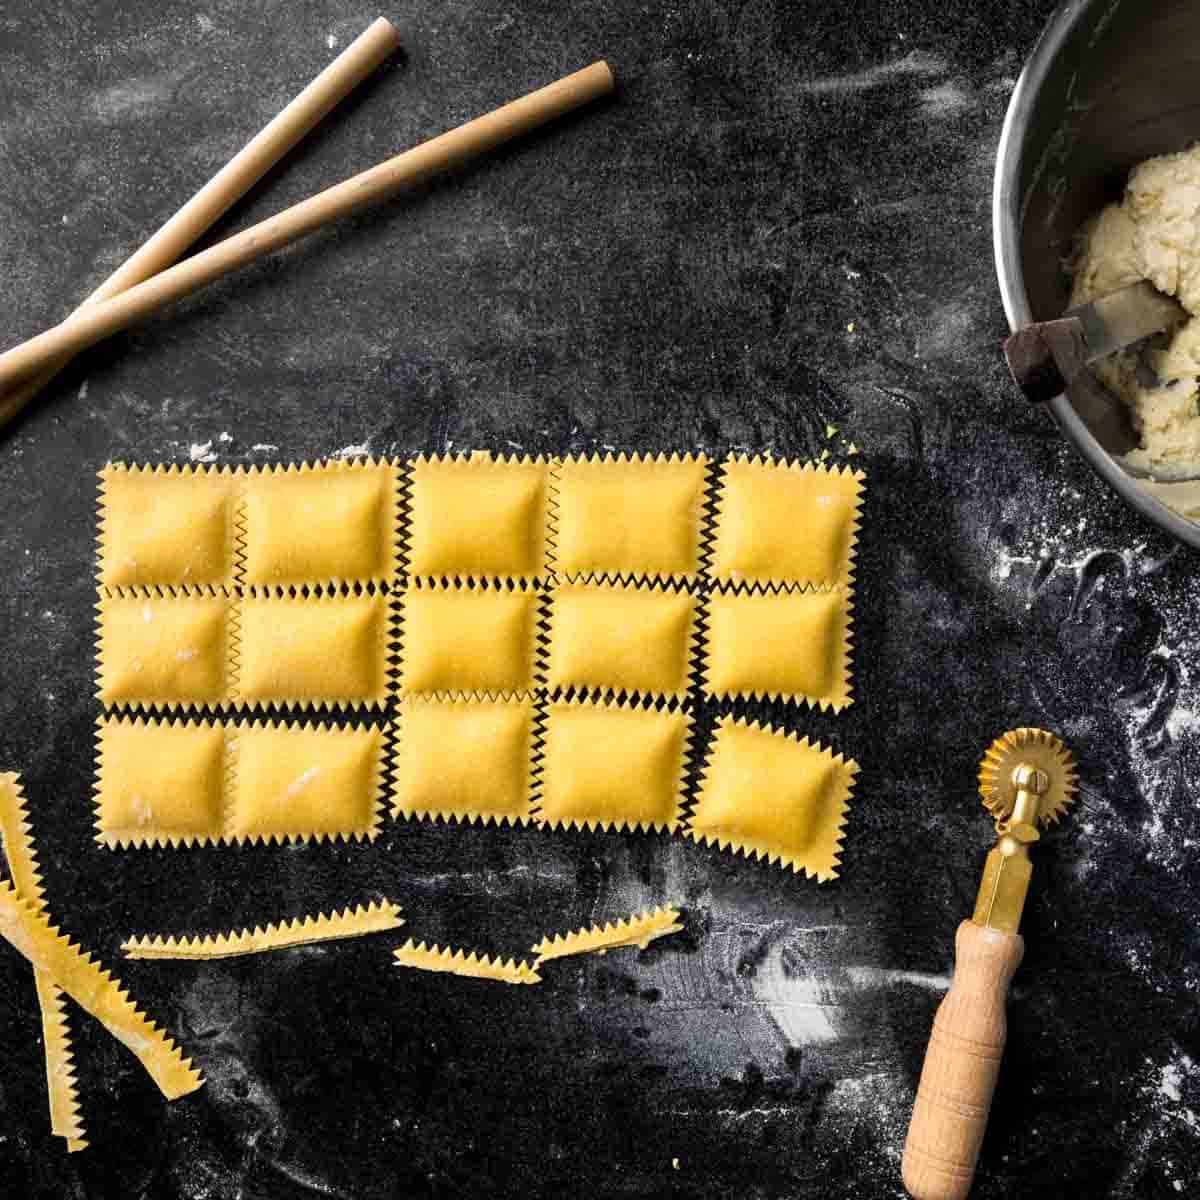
[{"x": 1032, "y": 748}]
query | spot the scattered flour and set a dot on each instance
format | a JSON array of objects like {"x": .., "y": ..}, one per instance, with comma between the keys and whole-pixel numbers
[
  {"x": 360, "y": 451},
  {"x": 202, "y": 452}
]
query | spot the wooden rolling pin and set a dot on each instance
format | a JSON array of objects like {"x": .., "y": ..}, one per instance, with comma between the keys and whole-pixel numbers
[
  {"x": 94, "y": 322},
  {"x": 363, "y": 56}
]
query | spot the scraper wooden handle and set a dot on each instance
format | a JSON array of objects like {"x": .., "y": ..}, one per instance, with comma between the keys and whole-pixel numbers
[
  {"x": 93, "y": 322},
  {"x": 234, "y": 180},
  {"x": 961, "y": 1066}
]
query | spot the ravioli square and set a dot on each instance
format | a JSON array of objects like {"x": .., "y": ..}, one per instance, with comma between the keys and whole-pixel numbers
[
  {"x": 790, "y": 645},
  {"x": 616, "y": 766},
  {"x": 629, "y": 516},
  {"x": 158, "y": 782},
  {"x": 468, "y": 640},
  {"x": 621, "y": 637},
  {"x": 318, "y": 525},
  {"x": 298, "y": 782},
  {"x": 464, "y": 760},
  {"x": 775, "y": 796},
  {"x": 166, "y": 526},
  {"x": 321, "y": 650},
  {"x": 786, "y": 523},
  {"x": 477, "y": 516},
  {"x": 160, "y": 650}
]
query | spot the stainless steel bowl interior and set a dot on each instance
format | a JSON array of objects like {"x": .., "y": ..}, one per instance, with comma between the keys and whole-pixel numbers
[{"x": 1109, "y": 84}]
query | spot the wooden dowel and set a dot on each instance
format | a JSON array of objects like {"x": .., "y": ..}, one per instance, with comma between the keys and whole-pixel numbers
[
  {"x": 363, "y": 56},
  {"x": 94, "y": 322}
]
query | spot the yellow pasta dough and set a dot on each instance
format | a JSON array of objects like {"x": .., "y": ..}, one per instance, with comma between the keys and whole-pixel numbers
[
  {"x": 786, "y": 522},
  {"x": 477, "y": 516},
  {"x": 794, "y": 645},
  {"x": 625, "y": 516},
  {"x": 774, "y": 796},
  {"x": 465, "y": 760},
  {"x": 613, "y": 766},
  {"x": 66, "y": 1121},
  {"x": 458, "y": 962},
  {"x": 621, "y": 637},
  {"x": 311, "y": 525},
  {"x": 639, "y": 930},
  {"x": 320, "y": 650},
  {"x": 468, "y": 639},
  {"x": 301, "y": 931},
  {"x": 166, "y": 526},
  {"x": 295, "y": 782},
  {"x": 160, "y": 650},
  {"x": 159, "y": 783}
]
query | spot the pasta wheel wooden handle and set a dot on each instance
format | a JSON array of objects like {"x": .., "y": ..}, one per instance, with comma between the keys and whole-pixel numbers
[{"x": 961, "y": 1066}]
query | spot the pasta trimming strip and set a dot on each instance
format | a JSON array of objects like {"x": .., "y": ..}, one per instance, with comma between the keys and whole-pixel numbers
[
  {"x": 458, "y": 962},
  {"x": 301, "y": 931},
  {"x": 61, "y": 1086},
  {"x": 639, "y": 930}
]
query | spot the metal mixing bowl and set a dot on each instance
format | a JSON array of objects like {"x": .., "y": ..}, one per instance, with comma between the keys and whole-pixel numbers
[{"x": 1109, "y": 84}]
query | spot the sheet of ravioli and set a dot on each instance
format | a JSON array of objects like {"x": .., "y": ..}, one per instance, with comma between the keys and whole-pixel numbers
[
  {"x": 788, "y": 523},
  {"x": 789, "y": 645},
  {"x": 166, "y": 526},
  {"x": 312, "y": 525},
  {"x": 159, "y": 782},
  {"x": 327, "y": 650},
  {"x": 772, "y": 795},
  {"x": 465, "y": 760},
  {"x": 165, "y": 650},
  {"x": 468, "y": 639},
  {"x": 622, "y": 638},
  {"x": 629, "y": 516},
  {"x": 477, "y": 516},
  {"x": 613, "y": 766},
  {"x": 295, "y": 782}
]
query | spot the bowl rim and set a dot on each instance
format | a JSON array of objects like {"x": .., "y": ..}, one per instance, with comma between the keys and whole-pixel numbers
[{"x": 1006, "y": 226}]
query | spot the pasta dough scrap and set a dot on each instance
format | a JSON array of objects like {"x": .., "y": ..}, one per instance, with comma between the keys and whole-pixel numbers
[
  {"x": 472, "y": 639},
  {"x": 292, "y": 782},
  {"x": 159, "y": 783},
  {"x": 622, "y": 637},
  {"x": 774, "y": 796},
  {"x": 781, "y": 522},
  {"x": 779, "y": 645},
  {"x": 613, "y": 766},
  {"x": 162, "y": 650},
  {"x": 639, "y": 930},
  {"x": 629, "y": 516},
  {"x": 302, "y": 931},
  {"x": 314, "y": 525},
  {"x": 458, "y": 962},
  {"x": 321, "y": 651},
  {"x": 96, "y": 992},
  {"x": 166, "y": 526},
  {"x": 475, "y": 516},
  {"x": 465, "y": 760},
  {"x": 66, "y": 1121}
]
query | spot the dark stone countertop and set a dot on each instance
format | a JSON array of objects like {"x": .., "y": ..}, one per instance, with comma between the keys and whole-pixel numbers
[{"x": 781, "y": 221}]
